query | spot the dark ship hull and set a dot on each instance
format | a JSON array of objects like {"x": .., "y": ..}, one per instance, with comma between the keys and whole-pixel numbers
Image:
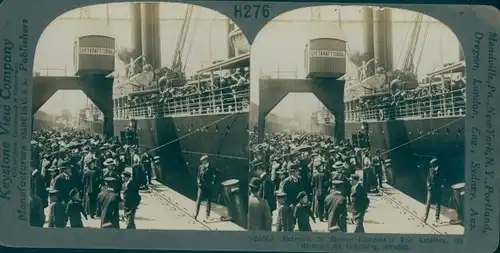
[
  {"x": 181, "y": 141},
  {"x": 411, "y": 143}
]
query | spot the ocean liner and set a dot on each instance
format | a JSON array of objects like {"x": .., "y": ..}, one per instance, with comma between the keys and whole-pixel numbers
[
  {"x": 181, "y": 118},
  {"x": 407, "y": 120}
]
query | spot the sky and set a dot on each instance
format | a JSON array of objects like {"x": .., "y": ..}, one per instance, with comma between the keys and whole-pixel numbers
[{"x": 278, "y": 46}]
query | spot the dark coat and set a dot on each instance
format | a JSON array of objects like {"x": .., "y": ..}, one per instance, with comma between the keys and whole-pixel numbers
[
  {"x": 434, "y": 179},
  {"x": 62, "y": 183},
  {"x": 109, "y": 201},
  {"x": 38, "y": 187},
  {"x": 57, "y": 215},
  {"x": 259, "y": 214},
  {"x": 206, "y": 177},
  {"x": 285, "y": 219},
  {"x": 359, "y": 198},
  {"x": 267, "y": 191},
  {"x": 336, "y": 208},
  {"x": 302, "y": 213},
  {"x": 131, "y": 195},
  {"x": 74, "y": 210},
  {"x": 292, "y": 188},
  {"x": 320, "y": 184},
  {"x": 92, "y": 181},
  {"x": 37, "y": 215}
]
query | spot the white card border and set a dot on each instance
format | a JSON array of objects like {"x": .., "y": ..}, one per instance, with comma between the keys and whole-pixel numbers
[{"x": 460, "y": 19}]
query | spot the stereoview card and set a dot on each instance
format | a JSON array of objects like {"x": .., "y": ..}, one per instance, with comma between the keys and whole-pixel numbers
[{"x": 299, "y": 127}]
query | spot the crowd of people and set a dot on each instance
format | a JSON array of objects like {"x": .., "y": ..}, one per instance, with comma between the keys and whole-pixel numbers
[
  {"x": 436, "y": 96},
  {"x": 75, "y": 175},
  {"x": 228, "y": 91},
  {"x": 303, "y": 177}
]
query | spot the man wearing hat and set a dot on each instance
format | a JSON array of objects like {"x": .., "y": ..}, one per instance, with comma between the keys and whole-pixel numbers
[
  {"x": 360, "y": 203},
  {"x": 340, "y": 175},
  {"x": 435, "y": 182},
  {"x": 320, "y": 185},
  {"x": 62, "y": 182},
  {"x": 266, "y": 188},
  {"x": 336, "y": 207},
  {"x": 377, "y": 167},
  {"x": 109, "y": 203},
  {"x": 259, "y": 213},
  {"x": 131, "y": 198},
  {"x": 205, "y": 180},
  {"x": 291, "y": 185},
  {"x": 92, "y": 179}
]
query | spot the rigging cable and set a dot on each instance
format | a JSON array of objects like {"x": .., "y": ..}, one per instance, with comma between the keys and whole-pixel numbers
[{"x": 422, "y": 136}]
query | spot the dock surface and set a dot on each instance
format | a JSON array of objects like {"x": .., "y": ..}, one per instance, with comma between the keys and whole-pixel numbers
[
  {"x": 162, "y": 208},
  {"x": 393, "y": 212}
]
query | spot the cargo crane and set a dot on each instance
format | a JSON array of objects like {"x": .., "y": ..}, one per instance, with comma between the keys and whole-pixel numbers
[
  {"x": 175, "y": 75},
  {"x": 406, "y": 77}
]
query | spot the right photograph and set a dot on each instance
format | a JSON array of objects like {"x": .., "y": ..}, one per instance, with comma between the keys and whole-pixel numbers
[{"x": 357, "y": 118}]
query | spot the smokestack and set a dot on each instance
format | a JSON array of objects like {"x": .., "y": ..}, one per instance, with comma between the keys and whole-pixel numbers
[
  {"x": 382, "y": 43},
  {"x": 230, "y": 49},
  {"x": 461, "y": 56},
  {"x": 150, "y": 28},
  {"x": 135, "y": 29},
  {"x": 367, "y": 18}
]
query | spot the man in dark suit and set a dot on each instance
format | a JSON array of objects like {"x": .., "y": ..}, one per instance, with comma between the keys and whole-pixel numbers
[
  {"x": 62, "y": 182},
  {"x": 92, "y": 181},
  {"x": 109, "y": 203},
  {"x": 320, "y": 186},
  {"x": 131, "y": 198},
  {"x": 291, "y": 185},
  {"x": 435, "y": 182},
  {"x": 206, "y": 179},
  {"x": 266, "y": 188},
  {"x": 336, "y": 207},
  {"x": 360, "y": 203},
  {"x": 259, "y": 213}
]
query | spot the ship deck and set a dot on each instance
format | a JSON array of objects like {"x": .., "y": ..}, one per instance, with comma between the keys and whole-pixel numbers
[
  {"x": 162, "y": 208},
  {"x": 393, "y": 212}
]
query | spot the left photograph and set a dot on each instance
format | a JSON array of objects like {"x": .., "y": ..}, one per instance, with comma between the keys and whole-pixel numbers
[{"x": 140, "y": 120}]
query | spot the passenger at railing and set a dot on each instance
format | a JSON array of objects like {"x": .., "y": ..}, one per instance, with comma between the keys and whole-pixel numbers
[{"x": 229, "y": 90}]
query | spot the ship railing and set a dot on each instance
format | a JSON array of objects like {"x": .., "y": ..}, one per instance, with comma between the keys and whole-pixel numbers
[
  {"x": 447, "y": 104},
  {"x": 210, "y": 102},
  {"x": 225, "y": 100}
]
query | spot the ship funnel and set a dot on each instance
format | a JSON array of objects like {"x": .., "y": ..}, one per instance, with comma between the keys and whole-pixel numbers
[
  {"x": 367, "y": 19},
  {"x": 150, "y": 30},
  {"x": 382, "y": 34},
  {"x": 135, "y": 31}
]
